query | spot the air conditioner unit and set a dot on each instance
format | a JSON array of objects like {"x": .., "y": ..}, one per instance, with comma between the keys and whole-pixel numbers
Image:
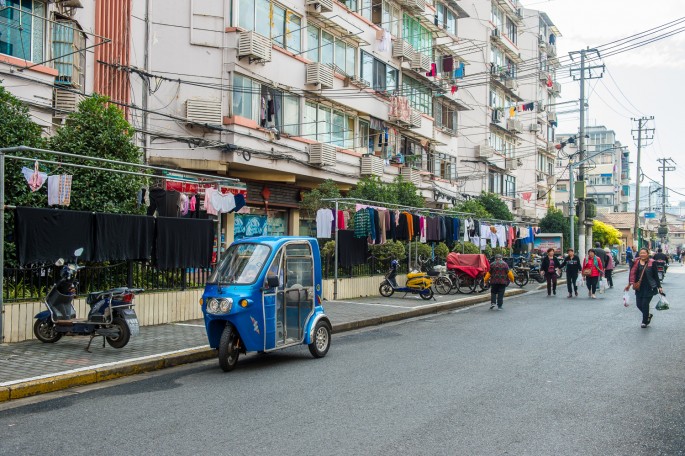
[
  {"x": 551, "y": 180},
  {"x": 516, "y": 204},
  {"x": 483, "y": 151},
  {"x": 402, "y": 50},
  {"x": 511, "y": 84},
  {"x": 511, "y": 164},
  {"x": 552, "y": 50},
  {"x": 544, "y": 76},
  {"x": 414, "y": 5},
  {"x": 514, "y": 125},
  {"x": 495, "y": 33},
  {"x": 324, "y": 6},
  {"x": 420, "y": 62},
  {"x": 556, "y": 88},
  {"x": 255, "y": 47},
  {"x": 528, "y": 212},
  {"x": 551, "y": 117},
  {"x": 410, "y": 175},
  {"x": 372, "y": 166},
  {"x": 203, "y": 111},
  {"x": 322, "y": 154},
  {"x": 66, "y": 102},
  {"x": 319, "y": 74},
  {"x": 415, "y": 119},
  {"x": 534, "y": 127}
]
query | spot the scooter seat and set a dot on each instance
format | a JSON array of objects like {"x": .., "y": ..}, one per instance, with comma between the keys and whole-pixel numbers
[{"x": 70, "y": 322}]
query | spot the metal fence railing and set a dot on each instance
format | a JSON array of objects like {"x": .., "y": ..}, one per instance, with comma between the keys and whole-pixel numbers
[{"x": 22, "y": 284}]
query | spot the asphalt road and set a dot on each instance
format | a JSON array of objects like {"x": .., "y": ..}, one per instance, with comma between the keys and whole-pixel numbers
[{"x": 544, "y": 376}]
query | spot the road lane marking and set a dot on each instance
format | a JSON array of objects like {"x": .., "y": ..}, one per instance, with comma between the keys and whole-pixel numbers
[
  {"x": 371, "y": 304},
  {"x": 188, "y": 324}
]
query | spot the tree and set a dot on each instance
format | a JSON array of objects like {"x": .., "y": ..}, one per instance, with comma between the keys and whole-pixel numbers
[
  {"x": 398, "y": 192},
  {"x": 556, "y": 222},
  {"x": 406, "y": 193},
  {"x": 99, "y": 129},
  {"x": 312, "y": 201},
  {"x": 495, "y": 206},
  {"x": 473, "y": 206},
  {"x": 605, "y": 234},
  {"x": 17, "y": 129}
]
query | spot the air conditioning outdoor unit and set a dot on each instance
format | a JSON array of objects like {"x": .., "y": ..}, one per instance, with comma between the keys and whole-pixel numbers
[
  {"x": 410, "y": 175},
  {"x": 516, "y": 204},
  {"x": 483, "y": 151},
  {"x": 556, "y": 88},
  {"x": 551, "y": 116},
  {"x": 551, "y": 180},
  {"x": 544, "y": 76},
  {"x": 552, "y": 50},
  {"x": 66, "y": 102},
  {"x": 254, "y": 46},
  {"x": 420, "y": 62},
  {"x": 402, "y": 50},
  {"x": 414, "y": 5},
  {"x": 511, "y": 164},
  {"x": 203, "y": 111},
  {"x": 325, "y": 6},
  {"x": 415, "y": 119},
  {"x": 322, "y": 154},
  {"x": 320, "y": 74},
  {"x": 511, "y": 84},
  {"x": 514, "y": 125},
  {"x": 372, "y": 166},
  {"x": 534, "y": 127}
]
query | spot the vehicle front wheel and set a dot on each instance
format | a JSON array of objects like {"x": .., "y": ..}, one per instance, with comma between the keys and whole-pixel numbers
[
  {"x": 228, "y": 349},
  {"x": 521, "y": 280},
  {"x": 426, "y": 294},
  {"x": 322, "y": 340},
  {"x": 386, "y": 289},
  {"x": 44, "y": 330},
  {"x": 442, "y": 285},
  {"x": 122, "y": 339}
]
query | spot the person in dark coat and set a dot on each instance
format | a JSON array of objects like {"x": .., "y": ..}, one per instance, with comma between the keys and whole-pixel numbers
[
  {"x": 549, "y": 267},
  {"x": 600, "y": 253},
  {"x": 572, "y": 264},
  {"x": 644, "y": 271}
]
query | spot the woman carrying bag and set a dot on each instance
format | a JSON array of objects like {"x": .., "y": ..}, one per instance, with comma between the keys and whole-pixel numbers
[
  {"x": 592, "y": 271},
  {"x": 550, "y": 265},
  {"x": 645, "y": 281}
]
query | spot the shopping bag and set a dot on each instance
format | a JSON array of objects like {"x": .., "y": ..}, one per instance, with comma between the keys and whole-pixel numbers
[
  {"x": 627, "y": 299},
  {"x": 602, "y": 286},
  {"x": 579, "y": 282},
  {"x": 663, "y": 303}
]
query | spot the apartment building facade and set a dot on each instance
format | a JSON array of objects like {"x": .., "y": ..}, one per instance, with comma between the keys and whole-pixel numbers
[{"x": 285, "y": 94}]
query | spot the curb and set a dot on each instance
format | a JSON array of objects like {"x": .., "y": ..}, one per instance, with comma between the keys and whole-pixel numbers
[{"x": 101, "y": 374}]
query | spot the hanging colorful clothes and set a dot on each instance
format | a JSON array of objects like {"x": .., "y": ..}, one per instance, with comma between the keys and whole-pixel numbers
[
  {"x": 59, "y": 190},
  {"x": 34, "y": 177}
]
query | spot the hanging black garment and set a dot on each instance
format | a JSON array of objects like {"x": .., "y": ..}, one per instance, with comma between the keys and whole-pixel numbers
[
  {"x": 449, "y": 229},
  {"x": 183, "y": 243},
  {"x": 402, "y": 231},
  {"x": 377, "y": 222},
  {"x": 166, "y": 203},
  {"x": 392, "y": 232},
  {"x": 417, "y": 225},
  {"x": 45, "y": 235},
  {"x": 443, "y": 229},
  {"x": 432, "y": 229},
  {"x": 123, "y": 237},
  {"x": 351, "y": 250}
]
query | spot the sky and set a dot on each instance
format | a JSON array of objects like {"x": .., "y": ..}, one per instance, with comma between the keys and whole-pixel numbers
[{"x": 646, "y": 81}]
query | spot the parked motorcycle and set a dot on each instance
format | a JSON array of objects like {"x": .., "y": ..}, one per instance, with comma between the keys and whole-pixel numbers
[
  {"x": 111, "y": 314},
  {"x": 661, "y": 268},
  {"x": 417, "y": 283}
]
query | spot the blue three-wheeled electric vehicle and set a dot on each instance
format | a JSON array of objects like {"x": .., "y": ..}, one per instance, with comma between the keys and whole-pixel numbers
[{"x": 265, "y": 295}]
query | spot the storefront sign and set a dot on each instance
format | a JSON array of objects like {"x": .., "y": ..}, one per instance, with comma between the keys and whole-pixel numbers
[{"x": 544, "y": 241}]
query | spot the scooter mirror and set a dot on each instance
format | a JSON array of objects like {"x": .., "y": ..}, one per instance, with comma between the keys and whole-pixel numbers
[
  {"x": 78, "y": 252},
  {"x": 59, "y": 262}
]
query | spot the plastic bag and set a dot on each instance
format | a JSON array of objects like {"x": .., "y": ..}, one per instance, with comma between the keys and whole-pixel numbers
[
  {"x": 663, "y": 303},
  {"x": 602, "y": 286},
  {"x": 579, "y": 282},
  {"x": 627, "y": 299}
]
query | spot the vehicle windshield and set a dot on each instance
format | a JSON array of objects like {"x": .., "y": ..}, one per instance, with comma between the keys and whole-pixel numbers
[{"x": 241, "y": 264}]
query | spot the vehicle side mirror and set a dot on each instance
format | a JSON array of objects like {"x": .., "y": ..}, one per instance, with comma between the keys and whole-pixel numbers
[
  {"x": 59, "y": 262},
  {"x": 272, "y": 281}
]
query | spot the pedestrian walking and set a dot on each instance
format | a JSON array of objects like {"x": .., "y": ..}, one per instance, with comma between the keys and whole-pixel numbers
[
  {"x": 549, "y": 266},
  {"x": 629, "y": 257},
  {"x": 499, "y": 276},
  {"x": 601, "y": 253},
  {"x": 572, "y": 264},
  {"x": 592, "y": 271},
  {"x": 609, "y": 268},
  {"x": 645, "y": 281}
]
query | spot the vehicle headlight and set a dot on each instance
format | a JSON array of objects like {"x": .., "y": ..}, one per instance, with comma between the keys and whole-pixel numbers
[
  {"x": 225, "y": 305},
  {"x": 213, "y": 306}
]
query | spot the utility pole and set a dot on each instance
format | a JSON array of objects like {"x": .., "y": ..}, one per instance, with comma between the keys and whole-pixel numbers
[
  {"x": 663, "y": 226},
  {"x": 641, "y": 128},
  {"x": 585, "y": 73},
  {"x": 146, "y": 82}
]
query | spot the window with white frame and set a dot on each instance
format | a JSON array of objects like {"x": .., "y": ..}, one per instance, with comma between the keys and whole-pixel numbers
[
  {"x": 284, "y": 28},
  {"x": 328, "y": 49},
  {"x": 445, "y": 115},
  {"x": 378, "y": 74},
  {"x": 22, "y": 29},
  {"x": 447, "y": 18},
  {"x": 420, "y": 96},
  {"x": 383, "y": 13},
  {"x": 267, "y": 106},
  {"x": 509, "y": 186},
  {"x": 448, "y": 167},
  {"x": 329, "y": 125},
  {"x": 511, "y": 31},
  {"x": 68, "y": 49},
  {"x": 417, "y": 35},
  {"x": 497, "y": 17}
]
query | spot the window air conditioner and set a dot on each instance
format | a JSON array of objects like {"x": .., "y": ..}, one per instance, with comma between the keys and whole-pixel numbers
[
  {"x": 322, "y": 154},
  {"x": 320, "y": 74},
  {"x": 255, "y": 47}
]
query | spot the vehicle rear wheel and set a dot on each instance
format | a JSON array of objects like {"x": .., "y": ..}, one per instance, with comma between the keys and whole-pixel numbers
[
  {"x": 322, "y": 340},
  {"x": 122, "y": 339},
  {"x": 44, "y": 330},
  {"x": 521, "y": 280},
  {"x": 228, "y": 349},
  {"x": 386, "y": 290},
  {"x": 426, "y": 294},
  {"x": 442, "y": 284},
  {"x": 467, "y": 284}
]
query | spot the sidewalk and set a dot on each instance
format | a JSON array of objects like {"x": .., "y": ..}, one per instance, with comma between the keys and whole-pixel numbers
[{"x": 30, "y": 368}]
